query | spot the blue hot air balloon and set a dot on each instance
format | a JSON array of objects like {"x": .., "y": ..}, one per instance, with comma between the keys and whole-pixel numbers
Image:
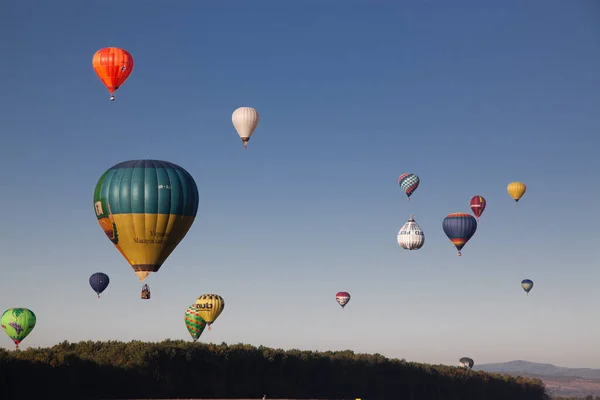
[
  {"x": 527, "y": 284},
  {"x": 459, "y": 227},
  {"x": 99, "y": 281}
]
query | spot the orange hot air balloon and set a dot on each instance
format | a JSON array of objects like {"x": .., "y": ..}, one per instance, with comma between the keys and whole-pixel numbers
[{"x": 113, "y": 66}]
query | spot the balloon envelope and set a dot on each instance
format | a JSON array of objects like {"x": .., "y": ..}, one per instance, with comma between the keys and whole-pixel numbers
[
  {"x": 342, "y": 298},
  {"x": 409, "y": 183},
  {"x": 477, "y": 204},
  {"x": 527, "y": 285},
  {"x": 459, "y": 227},
  {"x": 245, "y": 120},
  {"x": 194, "y": 323},
  {"x": 113, "y": 66},
  {"x": 210, "y": 306},
  {"x": 99, "y": 282},
  {"x": 18, "y": 323},
  {"x": 466, "y": 362},
  {"x": 516, "y": 190},
  {"x": 410, "y": 236},
  {"x": 146, "y": 207}
]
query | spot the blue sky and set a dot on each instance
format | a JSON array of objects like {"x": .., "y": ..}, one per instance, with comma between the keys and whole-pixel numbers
[{"x": 469, "y": 95}]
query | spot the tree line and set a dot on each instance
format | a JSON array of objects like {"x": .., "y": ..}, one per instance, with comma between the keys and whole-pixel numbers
[{"x": 180, "y": 369}]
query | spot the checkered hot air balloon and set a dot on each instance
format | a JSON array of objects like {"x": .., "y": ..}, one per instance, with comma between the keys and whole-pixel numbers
[{"x": 409, "y": 183}]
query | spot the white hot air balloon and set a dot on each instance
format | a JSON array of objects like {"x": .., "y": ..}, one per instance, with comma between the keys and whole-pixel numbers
[
  {"x": 410, "y": 236},
  {"x": 245, "y": 120}
]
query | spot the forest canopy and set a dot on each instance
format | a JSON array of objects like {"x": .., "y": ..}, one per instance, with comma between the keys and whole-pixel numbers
[{"x": 180, "y": 369}]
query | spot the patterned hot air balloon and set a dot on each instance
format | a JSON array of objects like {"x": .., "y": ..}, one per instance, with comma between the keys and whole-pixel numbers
[
  {"x": 146, "y": 207},
  {"x": 18, "y": 323},
  {"x": 459, "y": 227},
  {"x": 466, "y": 362},
  {"x": 99, "y": 282},
  {"x": 113, "y": 66},
  {"x": 194, "y": 323},
  {"x": 410, "y": 236},
  {"x": 409, "y": 183},
  {"x": 527, "y": 284},
  {"x": 342, "y": 298},
  {"x": 210, "y": 306},
  {"x": 516, "y": 190},
  {"x": 478, "y": 204},
  {"x": 245, "y": 120}
]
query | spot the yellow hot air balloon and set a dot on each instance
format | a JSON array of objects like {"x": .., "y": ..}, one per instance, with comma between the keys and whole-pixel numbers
[
  {"x": 210, "y": 306},
  {"x": 516, "y": 190}
]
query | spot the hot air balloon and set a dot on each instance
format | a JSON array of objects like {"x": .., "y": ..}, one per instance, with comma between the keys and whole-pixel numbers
[
  {"x": 516, "y": 190},
  {"x": 18, "y": 323},
  {"x": 342, "y": 298},
  {"x": 527, "y": 284},
  {"x": 113, "y": 66},
  {"x": 146, "y": 207},
  {"x": 194, "y": 323},
  {"x": 459, "y": 227},
  {"x": 245, "y": 120},
  {"x": 99, "y": 281},
  {"x": 210, "y": 306},
  {"x": 409, "y": 183},
  {"x": 410, "y": 236},
  {"x": 466, "y": 362},
  {"x": 478, "y": 204}
]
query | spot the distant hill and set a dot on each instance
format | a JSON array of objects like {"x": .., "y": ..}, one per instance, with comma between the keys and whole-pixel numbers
[{"x": 560, "y": 381}]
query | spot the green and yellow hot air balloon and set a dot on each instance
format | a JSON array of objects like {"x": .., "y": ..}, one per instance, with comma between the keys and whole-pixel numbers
[
  {"x": 210, "y": 306},
  {"x": 146, "y": 207},
  {"x": 18, "y": 323},
  {"x": 194, "y": 323}
]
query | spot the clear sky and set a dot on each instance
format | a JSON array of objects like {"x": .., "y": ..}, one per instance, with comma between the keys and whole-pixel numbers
[{"x": 469, "y": 95}]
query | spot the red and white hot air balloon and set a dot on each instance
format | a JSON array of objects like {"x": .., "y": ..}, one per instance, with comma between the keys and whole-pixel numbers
[
  {"x": 342, "y": 298},
  {"x": 478, "y": 204}
]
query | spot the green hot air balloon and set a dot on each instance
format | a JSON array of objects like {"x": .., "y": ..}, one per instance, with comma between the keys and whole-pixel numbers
[
  {"x": 194, "y": 323},
  {"x": 18, "y": 323}
]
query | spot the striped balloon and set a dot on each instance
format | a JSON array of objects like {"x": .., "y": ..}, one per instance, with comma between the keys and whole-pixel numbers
[
  {"x": 146, "y": 207},
  {"x": 409, "y": 183},
  {"x": 459, "y": 227},
  {"x": 113, "y": 66}
]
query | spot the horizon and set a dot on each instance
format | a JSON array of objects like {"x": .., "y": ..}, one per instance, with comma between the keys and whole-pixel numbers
[{"x": 468, "y": 96}]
